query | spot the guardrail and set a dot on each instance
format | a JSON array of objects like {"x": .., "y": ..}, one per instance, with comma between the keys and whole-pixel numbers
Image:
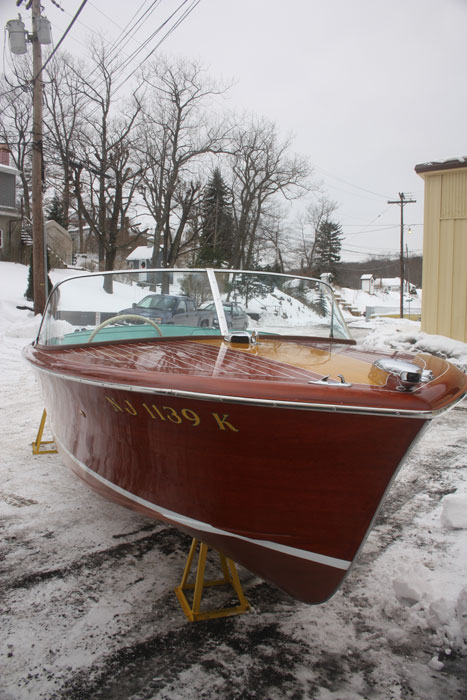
[{"x": 409, "y": 309}]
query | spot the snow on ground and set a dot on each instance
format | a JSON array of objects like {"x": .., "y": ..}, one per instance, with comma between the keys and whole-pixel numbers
[
  {"x": 86, "y": 587},
  {"x": 359, "y": 299}
]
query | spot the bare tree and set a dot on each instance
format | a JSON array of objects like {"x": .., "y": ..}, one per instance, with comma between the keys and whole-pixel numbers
[
  {"x": 273, "y": 237},
  {"x": 16, "y": 133},
  {"x": 106, "y": 176},
  {"x": 263, "y": 169},
  {"x": 65, "y": 105},
  {"x": 309, "y": 224},
  {"x": 178, "y": 134}
]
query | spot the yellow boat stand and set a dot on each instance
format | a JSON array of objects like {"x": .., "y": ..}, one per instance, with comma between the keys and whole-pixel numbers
[
  {"x": 39, "y": 446},
  {"x": 193, "y": 612}
]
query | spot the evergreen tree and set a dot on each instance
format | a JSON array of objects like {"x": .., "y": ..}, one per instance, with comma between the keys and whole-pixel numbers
[
  {"x": 320, "y": 304},
  {"x": 217, "y": 224},
  {"x": 56, "y": 211},
  {"x": 29, "y": 293},
  {"x": 328, "y": 248}
]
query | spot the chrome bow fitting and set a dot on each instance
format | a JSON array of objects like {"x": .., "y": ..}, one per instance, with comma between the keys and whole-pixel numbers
[
  {"x": 409, "y": 374},
  {"x": 242, "y": 337}
]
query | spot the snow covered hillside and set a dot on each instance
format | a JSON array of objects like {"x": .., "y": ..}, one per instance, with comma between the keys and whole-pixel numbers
[{"x": 361, "y": 300}]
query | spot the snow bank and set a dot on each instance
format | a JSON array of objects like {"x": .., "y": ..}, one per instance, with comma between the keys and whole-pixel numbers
[
  {"x": 402, "y": 334},
  {"x": 454, "y": 513}
]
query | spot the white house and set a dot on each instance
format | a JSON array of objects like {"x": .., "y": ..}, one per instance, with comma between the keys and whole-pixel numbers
[
  {"x": 393, "y": 284},
  {"x": 140, "y": 258},
  {"x": 389, "y": 284},
  {"x": 368, "y": 283}
]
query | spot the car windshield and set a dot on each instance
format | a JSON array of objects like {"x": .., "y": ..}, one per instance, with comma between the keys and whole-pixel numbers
[
  {"x": 104, "y": 306},
  {"x": 158, "y": 301},
  {"x": 212, "y": 307}
]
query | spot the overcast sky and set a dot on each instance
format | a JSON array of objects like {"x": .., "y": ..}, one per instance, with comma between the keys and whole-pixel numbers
[{"x": 368, "y": 88}]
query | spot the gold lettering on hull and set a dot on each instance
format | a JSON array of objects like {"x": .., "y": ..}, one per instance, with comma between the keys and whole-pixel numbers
[
  {"x": 223, "y": 423},
  {"x": 183, "y": 416},
  {"x": 114, "y": 405}
]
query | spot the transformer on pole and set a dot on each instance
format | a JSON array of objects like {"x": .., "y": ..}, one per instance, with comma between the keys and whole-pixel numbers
[{"x": 17, "y": 36}]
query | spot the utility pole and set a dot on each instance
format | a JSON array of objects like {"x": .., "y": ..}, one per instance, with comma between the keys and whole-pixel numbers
[
  {"x": 402, "y": 201},
  {"x": 39, "y": 252},
  {"x": 19, "y": 37}
]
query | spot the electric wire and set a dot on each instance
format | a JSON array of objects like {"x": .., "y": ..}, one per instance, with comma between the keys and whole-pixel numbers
[
  {"x": 126, "y": 63},
  {"x": 134, "y": 25},
  {"x": 112, "y": 45},
  {"x": 64, "y": 35},
  {"x": 374, "y": 230},
  {"x": 110, "y": 19},
  {"x": 350, "y": 184},
  {"x": 178, "y": 22},
  {"x": 129, "y": 60},
  {"x": 78, "y": 12},
  {"x": 126, "y": 34},
  {"x": 130, "y": 27}
]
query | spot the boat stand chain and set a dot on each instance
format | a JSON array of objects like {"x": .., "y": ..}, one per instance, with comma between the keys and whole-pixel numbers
[
  {"x": 193, "y": 612},
  {"x": 39, "y": 446}
]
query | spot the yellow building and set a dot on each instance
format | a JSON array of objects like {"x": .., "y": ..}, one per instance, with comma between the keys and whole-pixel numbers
[{"x": 444, "y": 304}]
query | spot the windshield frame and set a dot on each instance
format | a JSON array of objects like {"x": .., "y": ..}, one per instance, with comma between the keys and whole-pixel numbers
[{"x": 337, "y": 325}]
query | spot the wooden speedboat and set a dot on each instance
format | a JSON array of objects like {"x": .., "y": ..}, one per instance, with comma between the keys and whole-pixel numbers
[{"x": 275, "y": 445}]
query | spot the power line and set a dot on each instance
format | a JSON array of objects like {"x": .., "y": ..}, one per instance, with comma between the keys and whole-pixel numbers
[
  {"x": 181, "y": 19},
  {"x": 128, "y": 32},
  {"x": 350, "y": 184},
  {"x": 98, "y": 9},
  {"x": 113, "y": 45},
  {"x": 381, "y": 226},
  {"x": 81, "y": 7},
  {"x": 363, "y": 233},
  {"x": 128, "y": 60},
  {"x": 147, "y": 41}
]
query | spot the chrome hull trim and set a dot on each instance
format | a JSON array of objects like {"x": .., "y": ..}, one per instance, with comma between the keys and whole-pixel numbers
[
  {"x": 294, "y": 405},
  {"x": 183, "y": 520}
]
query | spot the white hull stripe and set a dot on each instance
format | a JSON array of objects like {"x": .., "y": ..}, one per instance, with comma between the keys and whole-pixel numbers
[{"x": 205, "y": 527}]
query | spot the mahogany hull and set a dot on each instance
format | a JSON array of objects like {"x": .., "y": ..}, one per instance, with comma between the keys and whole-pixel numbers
[
  {"x": 240, "y": 475},
  {"x": 287, "y": 488}
]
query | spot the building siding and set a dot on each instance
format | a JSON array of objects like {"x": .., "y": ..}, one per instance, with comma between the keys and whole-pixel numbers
[
  {"x": 454, "y": 195},
  {"x": 444, "y": 305}
]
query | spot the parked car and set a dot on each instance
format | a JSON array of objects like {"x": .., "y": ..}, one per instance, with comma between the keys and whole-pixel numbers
[
  {"x": 166, "y": 308},
  {"x": 235, "y": 316}
]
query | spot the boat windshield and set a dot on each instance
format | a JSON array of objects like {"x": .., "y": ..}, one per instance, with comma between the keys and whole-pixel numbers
[{"x": 128, "y": 305}]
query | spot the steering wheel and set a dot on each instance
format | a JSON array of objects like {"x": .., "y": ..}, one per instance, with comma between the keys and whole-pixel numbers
[{"x": 122, "y": 317}]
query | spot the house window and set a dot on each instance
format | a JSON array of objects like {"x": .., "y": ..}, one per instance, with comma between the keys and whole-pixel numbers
[{"x": 7, "y": 189}]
